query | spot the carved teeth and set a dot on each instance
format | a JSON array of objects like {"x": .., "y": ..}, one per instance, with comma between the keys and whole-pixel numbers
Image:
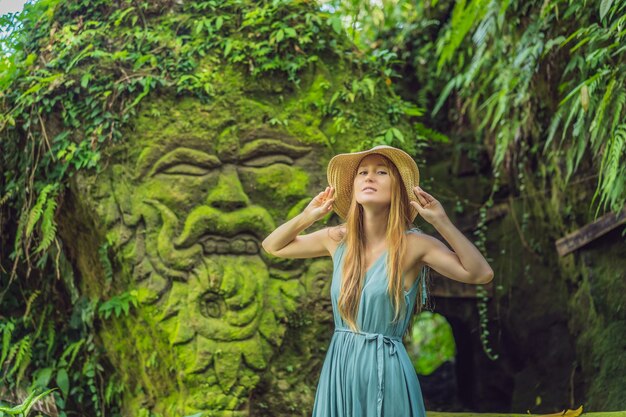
[{"x": 236, "y": 245}]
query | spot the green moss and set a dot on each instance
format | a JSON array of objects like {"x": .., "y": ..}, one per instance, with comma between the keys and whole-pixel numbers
[{"x": 597, "y": 318}]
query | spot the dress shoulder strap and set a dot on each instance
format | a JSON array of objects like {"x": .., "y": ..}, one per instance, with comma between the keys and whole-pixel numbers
[
  {"x": 423, "y": 271},
  {"x": 339, "y": 250}
]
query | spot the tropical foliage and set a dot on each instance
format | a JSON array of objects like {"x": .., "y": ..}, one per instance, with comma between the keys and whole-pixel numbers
[
  {"x": 548, "y": 75},
  {"x": 538, "y": 85}
]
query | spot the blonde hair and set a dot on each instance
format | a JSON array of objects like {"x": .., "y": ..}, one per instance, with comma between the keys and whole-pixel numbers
[{"x": 354, "y": 267}]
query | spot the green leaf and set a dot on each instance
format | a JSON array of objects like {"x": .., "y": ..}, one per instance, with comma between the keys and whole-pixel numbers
[
  {"x": 605, "y": 6},
  {"x": 123, "y": 15},
  {"x": 280, "y": 35},
  {"x": 388, "y": 137},
  {"x": 19, "y": 408},
  {"x": 84, "y": 81},
  {"x": 370, "y": 84},
  {"x": 229, "y": 45},
  {"x": 146, "y": 89},
  {"x": 81, "y": 55},
  {"x": 42, "y": 376},
  {"x": 37, "y": 398},
  {"x": 335, "y": 22},
  {"x": 413, "y": 111},
  {"x": 398, "y": 134},
  {"x": 63, "y": 381}
]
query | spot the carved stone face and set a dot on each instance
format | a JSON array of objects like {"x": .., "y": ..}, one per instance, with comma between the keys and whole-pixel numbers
[{"x": 185, "y": 202}]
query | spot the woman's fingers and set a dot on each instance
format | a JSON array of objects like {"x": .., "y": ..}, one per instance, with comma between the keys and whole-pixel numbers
[
  {"x": 422, "y": 191},
  {"x": 425, "y": 196},
  {"x": 324, "y": 196},
  {"x": 328, "y": 192},
  {"x": 419, "y": 196}
]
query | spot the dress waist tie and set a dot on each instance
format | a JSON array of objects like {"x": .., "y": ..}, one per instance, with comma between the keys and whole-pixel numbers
[{"x": 380, "y": 338}]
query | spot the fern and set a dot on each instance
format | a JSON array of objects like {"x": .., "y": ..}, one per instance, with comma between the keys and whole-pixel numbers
[
  {"x": 22, "y": 353},
  {"x": 48, "y": 227},
  {"x": 24, "y": 408},
  {"x": 618, "y": 105},
  {"x": 24, "y": 358},
  {"x": 612, "y": 173},
  {"x": 7, "y": 332},
  {"x": 6, "y": 197},
  {"x": 17, "y": 247},
  {"x": 455, "y": 82},
  {"x": 37, "y": 210},
  {"x": 9, "y": 359},
  {"x": 597, "y": 125},
  {"x": 30, "y": 301},
  {"x": 554, "y": 125},
  {"x": 497, "y": 83},
  {"x": 71, "y": 350},
  {"x": 424, "y": 133},
  {"x": 463, "y": 19},
  {"x": 119, "y": 304}
]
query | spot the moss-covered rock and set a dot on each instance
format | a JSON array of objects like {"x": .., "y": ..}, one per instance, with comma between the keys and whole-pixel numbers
[{"x": 184, "y": 202}]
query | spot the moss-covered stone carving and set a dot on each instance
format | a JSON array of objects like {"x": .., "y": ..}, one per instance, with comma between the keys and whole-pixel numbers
[
  {"x": 183, "y": 203},
  {"x": 173, "y": 147}
]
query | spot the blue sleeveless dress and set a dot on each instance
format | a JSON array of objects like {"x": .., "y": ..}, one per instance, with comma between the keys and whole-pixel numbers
[{"x": 369, "y": 374}]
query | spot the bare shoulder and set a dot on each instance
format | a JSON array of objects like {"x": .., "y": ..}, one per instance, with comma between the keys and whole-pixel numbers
[
  {"x": 422, "y": 241},
  {"x": 427, "y": 250},
  {"x": 335, "y": 235},
  {"x": 418, "y": 246}
]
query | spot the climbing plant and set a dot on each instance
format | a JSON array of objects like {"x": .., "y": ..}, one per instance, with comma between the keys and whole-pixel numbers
[{"x": 495, "y": 57}]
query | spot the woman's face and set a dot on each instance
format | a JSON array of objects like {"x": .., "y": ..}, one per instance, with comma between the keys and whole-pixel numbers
[{"x": 372, "y": 182}]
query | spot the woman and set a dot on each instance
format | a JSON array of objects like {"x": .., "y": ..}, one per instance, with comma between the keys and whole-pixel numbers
[{"x": 367, "y": 371}]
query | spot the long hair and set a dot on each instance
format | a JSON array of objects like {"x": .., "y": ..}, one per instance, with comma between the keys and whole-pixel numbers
[{"x": 354, "y": 268}]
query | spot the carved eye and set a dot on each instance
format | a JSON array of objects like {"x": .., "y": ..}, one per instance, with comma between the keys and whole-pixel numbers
[
  {"x": 184, "y": 169},
  {"x": 262, "y": 161},
  {"x": 185, "y": 161}
]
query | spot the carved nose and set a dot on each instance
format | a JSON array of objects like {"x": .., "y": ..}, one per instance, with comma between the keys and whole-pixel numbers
[
  {"x": 228, "y": 194},
  {"x": 226, "y": 205}
]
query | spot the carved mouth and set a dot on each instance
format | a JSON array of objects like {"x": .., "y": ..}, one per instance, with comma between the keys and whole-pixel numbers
[{"x": 242, "y": 243}]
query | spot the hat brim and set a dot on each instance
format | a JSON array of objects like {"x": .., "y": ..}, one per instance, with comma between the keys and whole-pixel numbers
[{"x": 342, "y": 169}]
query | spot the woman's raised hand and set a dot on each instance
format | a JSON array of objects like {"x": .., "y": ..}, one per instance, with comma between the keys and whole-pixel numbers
[
  {"x": 321, "y": 205},
  {"x": 428, "y": 207}
]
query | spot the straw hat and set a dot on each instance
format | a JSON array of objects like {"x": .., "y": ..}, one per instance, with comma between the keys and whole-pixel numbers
[{"x": 342, "y": 170}]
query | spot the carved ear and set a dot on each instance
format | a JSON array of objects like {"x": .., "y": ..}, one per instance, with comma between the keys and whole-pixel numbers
[
  {"x": 108, "y": 195},
  {"x": 123, "y": 195}
]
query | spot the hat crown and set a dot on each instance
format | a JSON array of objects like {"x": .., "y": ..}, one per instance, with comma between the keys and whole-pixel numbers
[{"x": 380, "y": 147}]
